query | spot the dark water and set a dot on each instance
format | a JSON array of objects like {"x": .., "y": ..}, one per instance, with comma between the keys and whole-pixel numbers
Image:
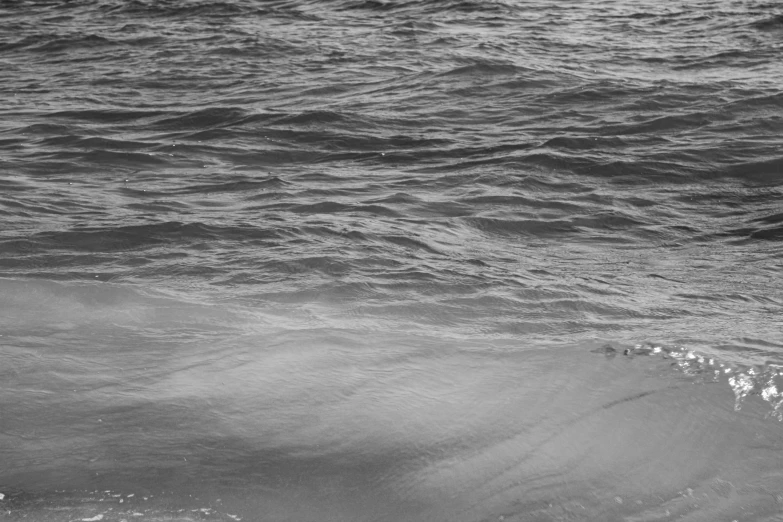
[{"x": 385, "y": 260}]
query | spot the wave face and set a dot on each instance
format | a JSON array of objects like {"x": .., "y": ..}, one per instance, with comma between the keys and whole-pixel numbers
[{"x": 391, "y": 260}]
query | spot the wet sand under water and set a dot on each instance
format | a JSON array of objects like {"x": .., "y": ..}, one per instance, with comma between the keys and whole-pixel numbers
[{"x": 416, "y": 430}]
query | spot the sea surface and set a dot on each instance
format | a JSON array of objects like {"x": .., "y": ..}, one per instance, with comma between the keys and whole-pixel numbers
[{"x": 380, "y": 260}]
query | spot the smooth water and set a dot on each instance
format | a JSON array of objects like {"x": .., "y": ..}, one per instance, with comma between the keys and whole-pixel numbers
[{"x": 385, "y": 260}]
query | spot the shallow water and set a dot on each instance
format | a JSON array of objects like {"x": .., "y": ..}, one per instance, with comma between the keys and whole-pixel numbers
[{"x": 341, "y": 260}]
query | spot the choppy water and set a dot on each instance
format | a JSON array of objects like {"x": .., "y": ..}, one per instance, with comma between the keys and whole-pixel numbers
[{"x": 385, "y": 260}]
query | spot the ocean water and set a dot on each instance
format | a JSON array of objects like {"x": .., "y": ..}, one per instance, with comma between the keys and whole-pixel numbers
[{"x": 345, "y": 260}]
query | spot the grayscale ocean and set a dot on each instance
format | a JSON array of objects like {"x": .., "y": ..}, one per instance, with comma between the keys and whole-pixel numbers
[{"x": 391, "y": 261}]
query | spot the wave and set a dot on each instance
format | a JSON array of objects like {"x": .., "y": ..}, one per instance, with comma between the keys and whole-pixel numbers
[
  {"x": 774, "y": 233},
  {"x": 764, "y": 172},
  {"x": 108, "y": 157},
  {"x": 136, "y": 238},
  {"x": 769, "y": 24},
  {"x": 208, "y": 117},
  {"x": 437, "y": 6},
  {"x": 184, "y": 8},
  {"x": 222, "y": 11},
  {"x": 105, "y": 115},
  {"x": 54, "y": 43},
  {"x": 240, "y": 184},
  {"x": 485, "y": 68}
]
